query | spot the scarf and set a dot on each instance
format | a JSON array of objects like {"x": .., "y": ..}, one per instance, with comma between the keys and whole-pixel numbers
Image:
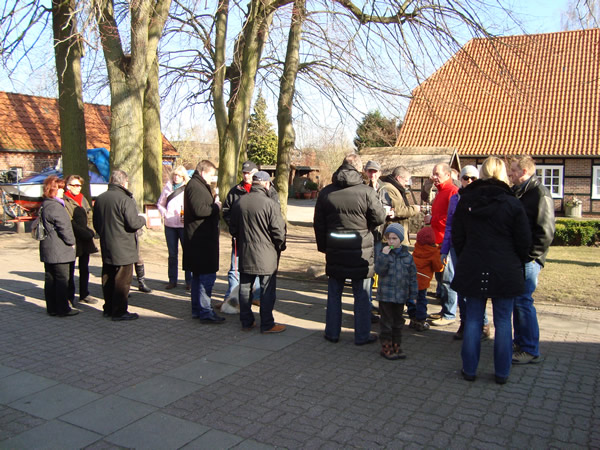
[
  {"x": 390, "y": 179},
  {"x": 247, "y": 187},
  {"x": 78, "y": 198},
  {"x": 178, "y": 185}
]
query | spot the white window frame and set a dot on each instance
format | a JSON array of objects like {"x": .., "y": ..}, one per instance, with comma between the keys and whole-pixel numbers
[
  {"x": 561, "y": 180},
  {"x": 595, "y": 182}
]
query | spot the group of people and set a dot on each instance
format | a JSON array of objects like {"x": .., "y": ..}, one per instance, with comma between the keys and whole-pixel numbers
[
  {"x": 71, "y": 225},
  {"x": 192, "y": 212},
  {"x": 483, "y": 240}
]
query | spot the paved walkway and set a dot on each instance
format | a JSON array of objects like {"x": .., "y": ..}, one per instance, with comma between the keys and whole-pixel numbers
[{"x": 165, "y": 381}]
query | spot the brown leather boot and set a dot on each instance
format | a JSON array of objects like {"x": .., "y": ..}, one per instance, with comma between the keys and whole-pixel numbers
[
  {"x": 398, "y": 351},
  {"x": 386, "y": 350}
]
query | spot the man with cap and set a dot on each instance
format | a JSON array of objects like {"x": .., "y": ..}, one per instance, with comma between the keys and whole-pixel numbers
[
  {"x": 257, "y": 225},
  {"x": 395, "y": 186},
  {"x": 346, "y": 213},
  {"x": 235, "y": 193},
  {"x": 201, "y": 240},
  {"x": 468, "y": 174}
]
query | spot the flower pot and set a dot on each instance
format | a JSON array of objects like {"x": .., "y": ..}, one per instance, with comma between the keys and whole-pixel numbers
[
  {"x": 573, "y": 211},
  {"x": 298, "y": 195},
  {"x": 307, "y": 195},
  {"x": 313, "y": 194}
]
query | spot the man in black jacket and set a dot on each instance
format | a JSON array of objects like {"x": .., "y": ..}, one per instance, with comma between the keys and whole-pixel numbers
[
  {"x": 201, "y": 215},
  {"x": 258, "y": 227},
  {"x": 116, "y": 220},
  {"x": 346, "y": 213},
  {"x": 539, "y": 207},
  {"x": 235, "y": 193}
]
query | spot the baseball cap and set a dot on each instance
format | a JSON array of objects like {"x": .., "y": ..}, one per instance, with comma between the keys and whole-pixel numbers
[
  {"x": 372, "y": 165},
  {"x": 261, "y": 176},
  {"x": 249, "y": 166}
]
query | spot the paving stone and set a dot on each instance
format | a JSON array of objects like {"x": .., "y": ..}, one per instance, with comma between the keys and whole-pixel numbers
[
  {"x": 108, "y": 414},
  {"x": 150, "y": 432},
  {"x": 215, "y": 440},
  {"x": 21, "y": 384},
  {"x": 160, "y": 390},
  {"x": 203, "y": 371},
  {"x": 54, "y": 401},
  {"x": 52, "y": 435}
]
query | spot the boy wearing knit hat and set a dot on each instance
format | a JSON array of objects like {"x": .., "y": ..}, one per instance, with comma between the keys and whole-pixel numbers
[
  {"x": 427, "y": 260},
  {"x": 397, "y": 284}
]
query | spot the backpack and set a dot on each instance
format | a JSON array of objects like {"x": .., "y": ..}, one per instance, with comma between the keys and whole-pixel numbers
[{"x": 38, "y": 231}]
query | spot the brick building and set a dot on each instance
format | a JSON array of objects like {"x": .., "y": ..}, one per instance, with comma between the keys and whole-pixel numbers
[
  {"x": 537, "y": 95},
  {"x": 30, "y": 132}
]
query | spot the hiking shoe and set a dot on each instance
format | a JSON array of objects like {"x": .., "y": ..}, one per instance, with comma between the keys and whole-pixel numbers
[
  {"x": 525, "y": 358},
  {"x": 442, "y": 322},
  {"x": 419, "y": 325},
  {"x": 277, "y": 328}
]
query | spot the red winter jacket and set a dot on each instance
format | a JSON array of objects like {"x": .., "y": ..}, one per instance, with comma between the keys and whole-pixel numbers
[{"x": 439, "y": 208}]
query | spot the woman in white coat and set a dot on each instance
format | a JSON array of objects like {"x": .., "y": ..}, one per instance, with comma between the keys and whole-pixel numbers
[{"x": 170, "y": 205}]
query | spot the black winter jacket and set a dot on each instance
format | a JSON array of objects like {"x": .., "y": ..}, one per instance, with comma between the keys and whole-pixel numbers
[
  {"x": 346, "y": 213},
  {"x": 259, "y": 229},
  {"x": 491, "y": 236},
  {"x": 81, "y": 219},
  {"x": 116, "y": 221},
  {"x": 59, "y": 245},
  {"x": 235, "y": 193},
  {"x": 201, "y": 227},
  {"x": 539, "y": 206}
]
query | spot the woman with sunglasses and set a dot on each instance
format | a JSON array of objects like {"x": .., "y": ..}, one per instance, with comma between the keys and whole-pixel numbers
[
  {"x": 80, "y": 211},
  {"x": 468, "y": 174}
]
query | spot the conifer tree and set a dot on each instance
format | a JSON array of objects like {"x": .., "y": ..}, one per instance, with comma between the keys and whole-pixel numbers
[{"x": 262, "y": 139}]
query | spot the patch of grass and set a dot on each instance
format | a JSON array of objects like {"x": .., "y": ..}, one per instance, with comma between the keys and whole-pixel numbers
[{"x": 570, "y": 276}]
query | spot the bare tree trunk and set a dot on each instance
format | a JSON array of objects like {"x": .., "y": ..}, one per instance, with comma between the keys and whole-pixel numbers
[
  {"x": 67, "y": 53},
  {"x": 232, "y": 122},
  {"x": 128, "y": 77},
  {"x": 152, "y": 138},
  {"x": 286, "y": 133}
]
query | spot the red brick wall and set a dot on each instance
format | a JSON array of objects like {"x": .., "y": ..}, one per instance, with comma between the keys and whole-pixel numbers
[{"x": 30, "y": 162}]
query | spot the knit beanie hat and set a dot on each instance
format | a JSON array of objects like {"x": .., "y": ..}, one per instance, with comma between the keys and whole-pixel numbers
[
  {"x": 395, "y": 228},
  {"x": 426, "y": 236}
]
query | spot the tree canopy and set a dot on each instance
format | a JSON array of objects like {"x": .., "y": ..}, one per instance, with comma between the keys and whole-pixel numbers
[{"x": 375, "y": 130}]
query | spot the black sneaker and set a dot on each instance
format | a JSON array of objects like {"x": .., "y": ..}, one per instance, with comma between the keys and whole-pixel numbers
[
  {"x": 372, "y": 338},
  {"x": 214, "y": 319},
  {"x": 126, "y": 316}
]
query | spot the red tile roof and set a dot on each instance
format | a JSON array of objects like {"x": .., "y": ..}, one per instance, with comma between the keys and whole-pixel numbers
[
  {"x": 32, "y": 123},
  {"x": 536, "y": 94}
]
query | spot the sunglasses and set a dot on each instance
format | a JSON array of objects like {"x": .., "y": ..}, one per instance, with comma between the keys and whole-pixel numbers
[
  {"x": 467, "y": 178},
  {"x": 75, "y": 185}
]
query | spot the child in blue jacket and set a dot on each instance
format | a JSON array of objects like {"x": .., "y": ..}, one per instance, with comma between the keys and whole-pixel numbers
[{"x": 397, "y": 284}]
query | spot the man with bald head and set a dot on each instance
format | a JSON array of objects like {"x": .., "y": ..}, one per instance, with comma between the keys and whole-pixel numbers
[{"x": 442, "y": 180}]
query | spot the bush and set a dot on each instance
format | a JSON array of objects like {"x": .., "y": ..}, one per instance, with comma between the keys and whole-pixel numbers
[
  {"x": 577, "y": 232},
  {"x": 311, "y": 186}
]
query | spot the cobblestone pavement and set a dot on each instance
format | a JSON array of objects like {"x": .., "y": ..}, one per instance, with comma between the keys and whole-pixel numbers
[{"x": 166, "y": 381}]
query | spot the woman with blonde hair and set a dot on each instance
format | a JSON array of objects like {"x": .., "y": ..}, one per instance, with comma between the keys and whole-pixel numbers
[
  {"x": 170, "y": 205},
  {"x": 490, "y": 233}
]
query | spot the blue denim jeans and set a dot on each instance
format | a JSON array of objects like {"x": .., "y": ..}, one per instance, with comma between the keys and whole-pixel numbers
[
  {"x": 233, "y": 277},
  {"x": 421, "y": 308},
  {"x": 174, "y": 236},
  {"x": 460, "y": 299},
  {"x": 527, "y": 331},
  {"x": 471, "y": 346},
  {"x": 362, "y": 309},
  {"x": 202, "y": 285},
  {"x": 449, "y": 296},
  {"x": 268, "y": 285}
]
